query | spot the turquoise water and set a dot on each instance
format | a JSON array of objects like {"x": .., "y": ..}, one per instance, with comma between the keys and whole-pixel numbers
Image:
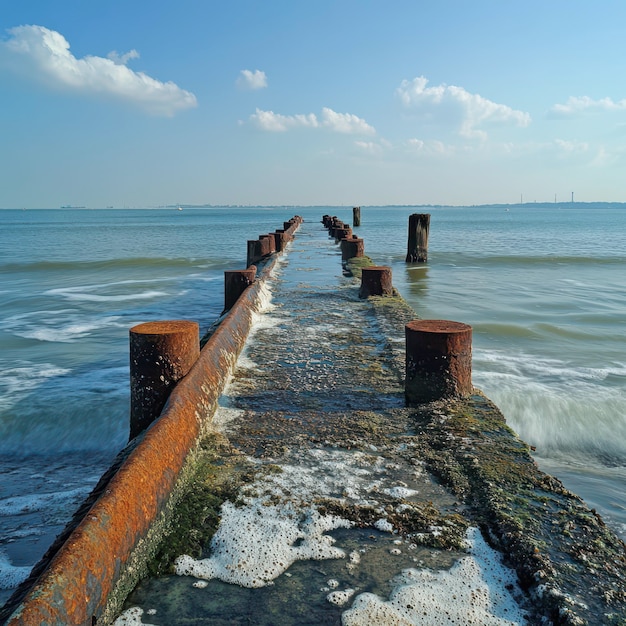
[{"x": 542, "y": 288}]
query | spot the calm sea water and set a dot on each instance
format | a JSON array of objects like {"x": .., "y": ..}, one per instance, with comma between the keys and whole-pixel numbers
[{"x": 544, "y": 290}]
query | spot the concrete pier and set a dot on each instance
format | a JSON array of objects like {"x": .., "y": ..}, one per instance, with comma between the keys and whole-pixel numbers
[{"x": 312, "y": 436}]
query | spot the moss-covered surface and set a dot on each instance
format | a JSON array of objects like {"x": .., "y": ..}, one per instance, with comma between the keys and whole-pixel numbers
[
  {"x": 329, "y": 375},
  {"x": 215, "y": 477},
  {"x": 573, "y": 566}
]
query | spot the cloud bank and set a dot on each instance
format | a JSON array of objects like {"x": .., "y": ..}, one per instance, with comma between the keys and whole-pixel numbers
[
  {"x": 252, "y": 80},
  {"x": 345, "y": 123},
  {"x": 582, "y": 104},
  {"x": 453, "y": 104},
  {"x": 44, "y": 56}
]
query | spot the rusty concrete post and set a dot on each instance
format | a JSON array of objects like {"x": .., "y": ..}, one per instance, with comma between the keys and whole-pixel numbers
[
  {"x": 419, "y": 225},
  {"x": 235, "y": 283},
  {"x": 279, "y": 241},
  {"x": 264, "y": 246},
  {"x": 438, "y": 360},
  {"x": 161, "y": 353},
  {"x": 287, "y": 236},
  {"x": 351, "y": 248},
  {"x": 376, "y": 281},
  {"x": 356, "y": 216},
  {"x": 258, "y": 249},
  {"x": 335, "y": 226},
  {"x": 271, "y": 242},
  {"x": 343, "y": 233}
]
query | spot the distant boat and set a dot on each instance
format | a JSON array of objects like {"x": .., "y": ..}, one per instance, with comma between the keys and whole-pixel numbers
[{"x": 180, "y": 208}]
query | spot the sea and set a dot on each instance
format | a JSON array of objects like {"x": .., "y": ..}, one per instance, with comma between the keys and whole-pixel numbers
[{"x": 544, "y": 289}]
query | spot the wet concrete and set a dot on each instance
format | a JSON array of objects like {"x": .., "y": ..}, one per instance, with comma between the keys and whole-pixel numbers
[{"x": 315, "y": 419}]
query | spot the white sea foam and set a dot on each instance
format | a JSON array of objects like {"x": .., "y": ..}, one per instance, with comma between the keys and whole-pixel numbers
[
  {"x": 400, "y": 491},
  {"x": 277, "y": 525},
  {"x": 476, "y": 590},
  {"x": 340, "y": 597},
  {"x": 131, "y": 617},
  {"x": 18, "y": 505},
  {"x": 10, "y": 575},
  {"x": 256, "y": 544}
]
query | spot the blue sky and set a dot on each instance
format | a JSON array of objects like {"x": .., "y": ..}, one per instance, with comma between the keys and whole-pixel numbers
[{"x": 147, "y": 103}]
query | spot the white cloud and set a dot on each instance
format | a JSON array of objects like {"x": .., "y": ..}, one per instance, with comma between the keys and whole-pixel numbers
[
  {"x": 431, "y": 147},
  {"x": 582, "y": 104},
  {"x": 44, "y": 55},
  {"x": 252, "y": 80},
  {"x": 275, "y": 122},
  {"x": 122, "y": 59},
  {"x": 571, "y": 147},
  {"x": 374, "y": 147},
  {"x": 345, "y": 123},
  {"x": 456, "y": 105}
]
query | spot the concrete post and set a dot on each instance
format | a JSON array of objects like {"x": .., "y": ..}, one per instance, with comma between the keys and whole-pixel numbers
[
  {"x": 279, "y": 241},
  {"x": 356, "y": 216},
  {"x": 351, "y": 248},
  {"x": 271, "y": 242},
  {"x": 161, "y": 353},
  {"x": 438, "y": 360},
  {"x": 376, "y": 281},
  {"x": 343, "y": 233},
  {"x": 235, "y": 283},
  {"x": 419, "y": 225}
]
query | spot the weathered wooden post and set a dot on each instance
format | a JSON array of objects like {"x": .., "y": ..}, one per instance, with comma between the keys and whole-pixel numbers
[
  {"x": 438, "y": 360},
  {"x": 376, "y": 281},
  {"x": 419, "y": 225},
  {"x": 235, "y": 283},
  {"x": 161, "y": 353},
  {"x": 356, "y": 216}
]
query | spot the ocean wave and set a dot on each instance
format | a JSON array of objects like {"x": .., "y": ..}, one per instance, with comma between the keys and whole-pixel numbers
[
  {"x": 61, "y": 326},
  {"x": 548, "y": 402},
  {"x": 481, "y": 258},
  {"x": 17, "y": 380},
  {"x": 79, "y": 294},
  {"x": 75, "y": 266}
]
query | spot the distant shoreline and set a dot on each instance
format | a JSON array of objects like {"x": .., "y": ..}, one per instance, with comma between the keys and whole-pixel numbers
[{"x": 518, "y": 205}]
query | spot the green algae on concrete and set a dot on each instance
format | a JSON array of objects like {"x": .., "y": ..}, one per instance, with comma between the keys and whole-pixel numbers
[
  {"x": 327, "y": 375},
  {"x": 573, "y": 566}
]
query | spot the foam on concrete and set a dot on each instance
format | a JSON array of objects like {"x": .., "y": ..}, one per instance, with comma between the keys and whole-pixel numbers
[{"x": 475, "y": 591}]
